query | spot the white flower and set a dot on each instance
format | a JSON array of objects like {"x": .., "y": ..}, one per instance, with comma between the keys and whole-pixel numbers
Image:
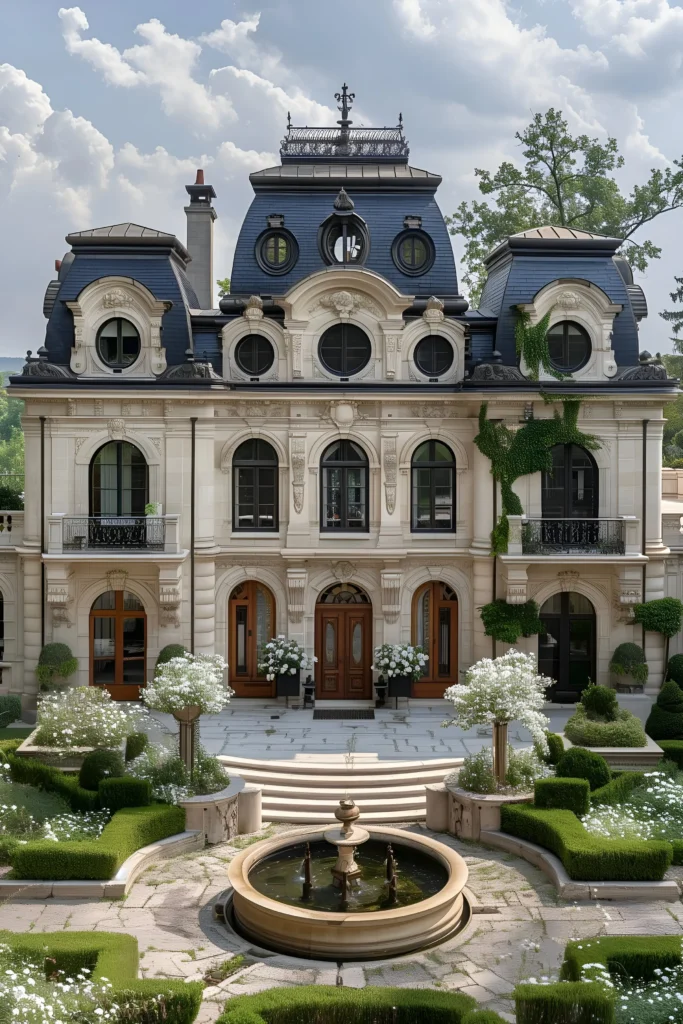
[
  {"x": 400, "y": 660},
  {"x": 191, "y": 679}
]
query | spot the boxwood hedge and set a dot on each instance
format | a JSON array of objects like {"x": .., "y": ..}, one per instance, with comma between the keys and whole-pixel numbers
[
  {"x": 567, "y": 794},
  {"x": 576, "y": 1002},
  {"x": 640, "y": 956},
  {"x": 618, "y": 789},
  {"x": 114, "y": 957},
  {"x": 326, "y": 1004},
  {"x": 587, "y": 857}
]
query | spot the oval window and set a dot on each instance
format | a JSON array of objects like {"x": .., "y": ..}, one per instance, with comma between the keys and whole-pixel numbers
[
  {"x": 344, "y": 349},
  {"x": 569, "y": 346},
  {"x": 413, "y": 252},
  {"x": 276, "y": 251},
  {"x": 254, "y": 355},
  {"x": 433, "y": 355},
  {"x": 118, "y": 343}
]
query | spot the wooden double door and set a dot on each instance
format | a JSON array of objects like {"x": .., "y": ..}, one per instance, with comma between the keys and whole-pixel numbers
[{"x": 344, "y": 650}]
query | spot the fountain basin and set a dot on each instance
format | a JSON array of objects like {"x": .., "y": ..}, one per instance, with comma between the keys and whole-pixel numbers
[{"x": 340, "y": 935}]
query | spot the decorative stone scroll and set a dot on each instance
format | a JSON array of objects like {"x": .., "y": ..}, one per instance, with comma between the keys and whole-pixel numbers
[
  {"x": 390, "y": 469},
  {"x": 392, "y": 347},
  {"x": 117, "y": 298},
  {"x": 298, "y": 460},
  {"x": 344, "y": 571},
  {"x": 116, "y": 579},
  {"x": 58, "y": 594},
  {"x": 391, "y": 594},
  {"x": 170, "y": 595},
  {"x": 253, "y": 309},
  {"x": 294, "y": 342},
  {"x": 345, "y": 303},
  {"x": 433, "y": 311},
  {"x": 297, "y": 580},
  {"x": 117, "y": 429}
]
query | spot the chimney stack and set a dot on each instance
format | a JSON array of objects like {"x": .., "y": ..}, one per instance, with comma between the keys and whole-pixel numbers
[{"x": 200, "y": 217}]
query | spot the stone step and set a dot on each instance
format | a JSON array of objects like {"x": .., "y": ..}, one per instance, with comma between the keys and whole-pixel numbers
[
  {"x": 383, "y": 817},
  {"x": 397, "y": 803},
  {"x": 357, "y": 791}
]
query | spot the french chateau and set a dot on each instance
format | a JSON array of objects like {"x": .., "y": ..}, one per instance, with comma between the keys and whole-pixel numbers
[{"x": 302, "y": 459}]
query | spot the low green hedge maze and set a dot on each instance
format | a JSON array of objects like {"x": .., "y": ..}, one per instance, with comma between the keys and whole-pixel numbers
[
  {"x": 114, "y": 957},
  {"x": 130, "y": 829},
  {"x": 587, "y": 857}
]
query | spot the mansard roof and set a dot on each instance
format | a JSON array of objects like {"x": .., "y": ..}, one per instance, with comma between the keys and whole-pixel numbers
[
  {"x": 127, "y": 233},
  {"x": 369, "y": 175}
]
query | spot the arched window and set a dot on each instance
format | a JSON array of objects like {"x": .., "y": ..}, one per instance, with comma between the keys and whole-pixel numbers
[
  {"x": 254, "y": 487},
  {"x": 118, "y": 644},
  {"x": 435, "y": 630},
  {"x": 433, "y": 486},
  {"x": 254, "y": 354},
  {"x": 570, "y": 488},
  {"x": 433, "y": 355},
  {"x": 569, "y": 346},
  {"x": 344, "y": 487},
  {"x": 566, "y": 645},
  {"x": 118, "y": 343},
  {"x": 119, "y": 482},
  {"x": 251, "y": 625}
]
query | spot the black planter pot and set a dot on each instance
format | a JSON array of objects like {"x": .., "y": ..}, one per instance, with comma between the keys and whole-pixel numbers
[
  {"x": 400, "y": 686},
  {"x": 288, "y": 686}
]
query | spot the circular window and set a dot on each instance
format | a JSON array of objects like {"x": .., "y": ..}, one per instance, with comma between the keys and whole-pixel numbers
[
  {"x": 118, "y": 343},
  {"x": 344, "y": 240},
  {"x": 569, "y": 346},
  {"x": 276, "y": 252},
  {"x": 344, "y": 349},
  {"x": 254, "y": 355},
  {"x": 433, "y": 355},
  {"x": 413, "y": 252}
]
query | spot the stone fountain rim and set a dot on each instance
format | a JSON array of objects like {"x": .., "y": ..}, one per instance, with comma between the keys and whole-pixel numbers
[{"x": 241, "y": 865}]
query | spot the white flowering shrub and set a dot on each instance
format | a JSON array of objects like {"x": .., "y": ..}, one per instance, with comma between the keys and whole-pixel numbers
[
  {"x": 505, "y": 689},
  {"x": 190, "y": 680},
  {"x": 283, "y": 657},
  {"x": 84, "y": 716},
  {"x": 476, "y": 773},
  {"x": 654, "y": 1001},
  {"x": 169, "y": 778},
  {"x": 393, "y": 660},
  {"x": 652, "y": 811}
]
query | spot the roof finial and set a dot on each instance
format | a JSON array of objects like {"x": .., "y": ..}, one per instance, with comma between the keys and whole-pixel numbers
[
  {"x": 400, "y": 120},
  {"x": 345, "y": 98},
  {"x": 289, "y": 121}
]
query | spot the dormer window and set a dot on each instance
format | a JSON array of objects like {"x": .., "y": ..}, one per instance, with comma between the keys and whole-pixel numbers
[
  {"x": 344, "y": 237},
  {"x": 413, "y": 252},
  {"x": 569, "y": 346},
  {"x": 118, "y": 343},
  {"x": 276, "y": 251}
]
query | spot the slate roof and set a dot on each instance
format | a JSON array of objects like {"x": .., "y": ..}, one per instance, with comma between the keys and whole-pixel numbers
[
  {"x": 127, "y": 233},
  {"x": 326, "y": 175},
  {"x": 556, "y": 231}
]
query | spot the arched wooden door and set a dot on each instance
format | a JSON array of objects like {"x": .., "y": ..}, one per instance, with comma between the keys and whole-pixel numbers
[
  {"x": 343, "y": 643},
  {"x": 118, "y": 644},
  {"x": 435, "y": 630},
  {"x": 251, "y": 625}
]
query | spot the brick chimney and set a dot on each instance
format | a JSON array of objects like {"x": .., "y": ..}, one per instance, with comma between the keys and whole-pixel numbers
[{"x": 200, "y": 217}]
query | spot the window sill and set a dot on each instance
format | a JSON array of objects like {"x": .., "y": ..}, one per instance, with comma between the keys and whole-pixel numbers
[{"x": 254, "y": 534}]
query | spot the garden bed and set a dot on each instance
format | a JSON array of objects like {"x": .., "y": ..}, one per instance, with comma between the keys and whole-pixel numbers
[
  {"x": 625, "y": 758},
  {"x": 66, "y": 758}
]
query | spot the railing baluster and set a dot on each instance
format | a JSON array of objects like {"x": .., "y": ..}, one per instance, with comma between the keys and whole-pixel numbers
[
  {"x": 573, "y": 536},
  {"x": 114, "y": 533}
]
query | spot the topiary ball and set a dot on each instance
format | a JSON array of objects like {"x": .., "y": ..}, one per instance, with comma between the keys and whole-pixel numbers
[
  {"x": 629, "y": 660},
  {"x": 168, "y": 652},
  {"x": 135, "y": 744},
  {"x": 579, "y": 763},
  {"x": 600, "y": 702},
  {"x": 665, "y": 721},
  {"x": 675, "y": 669},
  {"x": 670, "y": 698},
  {"x": 100, "y": 764}
]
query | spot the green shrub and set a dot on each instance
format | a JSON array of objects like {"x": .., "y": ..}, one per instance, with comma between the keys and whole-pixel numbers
[
  {"x": 168, "y": 652},
  {"x": 135, "y": 744},
  {"x": 124, "y": 791},
  {"x": 476, "y": 772},
  {"x": 42, "y": 776},
  {"x": 11, "y": 500},
  {"x": 567, "y": 794},
  {"x": 555, "y": 748},
  {"x": 675, "y": 669},
  {"x": 38, "y": 803},
  {"x": 673, "y": 750},
  {"x": 587, "y": 857},
  {"x": 629, "y": 660},
  {"x": 55, "y": 664},
  {"x": 316, "y": 1004},
  {"x": 482, "y": 1017},
  {"x": 100, "y": 764},
  {"x": 523, "y": 768},
  {"x": 564, "y": 1003},
  {"x": 114, "y": 957},
  {"x": 665, "y": 721},
  {"x": 128, "y": 831},
  {"x": 10, "y": 709},
  {"x": 579, "y": 763},
  {"x": 507, "y": 622},
  {"x": 618, "y": 789},
  {"x": 660, "y": 616},
  {"x": 639, "y": 956},
  {"x": 600, "y": 703},
  {"x": 626, "y": 731}
]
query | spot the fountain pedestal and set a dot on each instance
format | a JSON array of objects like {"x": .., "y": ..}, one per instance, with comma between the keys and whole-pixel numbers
[{"x": 346, "y": 839}]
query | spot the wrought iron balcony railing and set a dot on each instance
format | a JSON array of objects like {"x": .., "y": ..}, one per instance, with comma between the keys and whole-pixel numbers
[
  {"x": 573, "y": 536},
  {"x": 113, "y": 533}
]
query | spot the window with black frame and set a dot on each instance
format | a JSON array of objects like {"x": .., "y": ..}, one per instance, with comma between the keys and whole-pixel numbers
[
  {"x": 119, "y": 491},
  {"x": 433, "y": 487},
  {"x": 118, "y": 343},
  {"x": 254, "y": 487},
  {"x": 344, "y": 349},
  {"x": 569, "y": 498},
  {"x": 569, "y": 346},
  {"x": 344, "y": 486}
]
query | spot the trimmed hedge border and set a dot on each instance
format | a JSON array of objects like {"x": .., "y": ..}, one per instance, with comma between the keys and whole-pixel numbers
[
  {"x": 114, "y": 957},
  {"x": 587, "y": 857},
  {"x": 617, "y": 789},
  {"x": 317, "y": 1003},
  {"x": 673, "y": 750},
  {"x": 565, "y": 794},
  {"x": 577, "y": 1002}
]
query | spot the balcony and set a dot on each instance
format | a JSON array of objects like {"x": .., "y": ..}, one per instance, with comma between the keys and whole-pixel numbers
[
  {"x": 11, "y": 529},
  {"x": 113, "y": 534},
  {"x": 607, "y": 537}
]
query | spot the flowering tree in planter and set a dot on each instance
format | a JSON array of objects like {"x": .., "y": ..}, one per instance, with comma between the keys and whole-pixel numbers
[
  {"x": 186, "y": 688},
  {"x": 499, "y": 691},
  {"x": 283, "y": 661}
]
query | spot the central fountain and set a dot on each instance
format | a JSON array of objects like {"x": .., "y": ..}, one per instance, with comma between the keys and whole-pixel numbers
[{"x": 348, "y": 893}]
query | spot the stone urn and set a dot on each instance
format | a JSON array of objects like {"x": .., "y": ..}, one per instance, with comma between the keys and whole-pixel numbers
[{"x": 187, "y": 717}]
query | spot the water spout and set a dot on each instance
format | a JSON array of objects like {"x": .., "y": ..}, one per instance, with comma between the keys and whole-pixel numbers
[{"x": 308, "y": 884}]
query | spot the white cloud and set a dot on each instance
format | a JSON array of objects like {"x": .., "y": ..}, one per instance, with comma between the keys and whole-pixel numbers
[
  {"x": 103, "y": 56},
  {"x": 414, "y": 19},
  {"x": 23, "y": 104}
]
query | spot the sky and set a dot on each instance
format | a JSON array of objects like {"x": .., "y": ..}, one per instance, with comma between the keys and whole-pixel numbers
[{"x": 106, "y": 110}]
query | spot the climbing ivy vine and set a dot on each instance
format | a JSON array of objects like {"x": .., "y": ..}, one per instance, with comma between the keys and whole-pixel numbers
[
  {"x": 515, "y": 453},
  {"x": 531, "y": 341}
]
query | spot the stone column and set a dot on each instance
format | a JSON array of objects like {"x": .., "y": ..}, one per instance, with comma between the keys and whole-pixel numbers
[
  {"x": 30, "y": 569},
  {"x": 205, "y": 606},
  {"x": 482, "y": 565},
  {"x": 655, "y": 643}
]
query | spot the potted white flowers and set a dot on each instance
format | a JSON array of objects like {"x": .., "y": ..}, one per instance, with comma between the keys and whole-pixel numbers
[
  {"x": 188, "y": 687},
  {"x": 402, "y": 665},
  {"x": 283, "y": 661}
]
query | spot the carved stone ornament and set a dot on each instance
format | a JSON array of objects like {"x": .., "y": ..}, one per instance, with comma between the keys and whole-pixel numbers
[
  {"x": 117, "y": 429},
  {"x": 297, "y": 580},
  {"x": 253, "y": 309},
  {"x": 390, "y": 469},
  {"x": 485, "y": 372},
  {"x": 433, "y": 311},
  {"x": 116, "y": 579},
  {"x": 58, "y": 596},
  {"x": 516, "y": 593},
  {"x": 342, "y": 414},
  {"x": 646, "y": 371},
  {"x": 116, "y": 299},
  {"x": 391, "y": 594},
  {"x": 170, "y": 596},
  {"x": 41, "y": 367},
  {"x": 298, "y": 461},
  {"x": 569, "y": 300},
  {"x": 190, "y": 370},
  {"x": 568, "y": 578},
  {"x": 343, "y": 201},
  {"x": 344, "y": 303},
  {"x": 343, "y": 571}
]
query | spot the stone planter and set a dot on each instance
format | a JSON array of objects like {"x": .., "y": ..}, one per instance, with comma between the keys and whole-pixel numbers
[
  {"x": 400, "y": 686},
  {"x": 288, "y": 685},
  {"x": 216, "y": 815},
  {"x": 626, "y": 758},
  {"x": 68, "y": 759},
  {"x": 470, "y": 814}
]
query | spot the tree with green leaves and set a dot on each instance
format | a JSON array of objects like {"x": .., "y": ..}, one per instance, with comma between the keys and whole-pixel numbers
[
  {"x": 675, "y": 316},
  {"x": 566, "y": 180},
  {"x": 223, "y": 287}
]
